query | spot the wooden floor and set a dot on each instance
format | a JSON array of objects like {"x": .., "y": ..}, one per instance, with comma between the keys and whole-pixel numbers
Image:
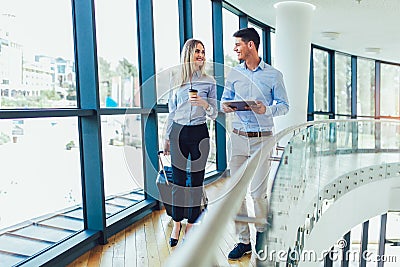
[{"x": 145, "y": 243}]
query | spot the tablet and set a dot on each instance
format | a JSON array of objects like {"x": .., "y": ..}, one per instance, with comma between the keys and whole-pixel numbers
[{"x": 240, "y": 105}]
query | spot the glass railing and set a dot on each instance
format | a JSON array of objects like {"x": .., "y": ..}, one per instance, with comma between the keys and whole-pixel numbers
[{"x": 321, "y": 163}]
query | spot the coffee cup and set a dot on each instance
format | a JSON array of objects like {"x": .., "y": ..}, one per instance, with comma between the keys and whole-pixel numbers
[{"x": 192, "y": 93}]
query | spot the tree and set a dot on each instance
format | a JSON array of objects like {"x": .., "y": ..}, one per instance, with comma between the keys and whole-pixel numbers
[
  {"x": 126, "y": 69},
  {"x": 105, "y": 77}
]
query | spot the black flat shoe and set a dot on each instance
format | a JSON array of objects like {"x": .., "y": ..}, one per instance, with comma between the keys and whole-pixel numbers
[{"x": 172, "y": 241}]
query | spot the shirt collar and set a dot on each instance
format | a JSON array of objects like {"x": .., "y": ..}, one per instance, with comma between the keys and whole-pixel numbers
[
  {"x": 197, "y": 74},
  {"x": 261, "y": 65}
]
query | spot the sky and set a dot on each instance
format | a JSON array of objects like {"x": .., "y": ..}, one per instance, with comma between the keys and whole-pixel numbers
[{"x": 39, "y": 26}]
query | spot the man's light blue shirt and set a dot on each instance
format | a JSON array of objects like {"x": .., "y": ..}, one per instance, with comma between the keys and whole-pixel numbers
[
  {"x": 181, "y": 110},
  {"x": 265, "y": 84}
]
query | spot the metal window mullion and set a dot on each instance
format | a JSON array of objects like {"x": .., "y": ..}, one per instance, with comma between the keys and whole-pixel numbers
[
  {"x": 346, "y": 249},
  {"x": 353, "y": 87},
  {"x": 331, "y": 84},
  {"x": 377, "y": 89},
  {"x": 218, "y": 56},
  {"x": 377, "y": 104},
  {"x": 328, "y": 262},
  {"x": 382, "y": 239},
  {"x": 148, "y": 94},
  {"x": 243, "y": 21},
  {"x": 89, "y": 126},
  {"x": 354, "y": 130},
  {"x": 44, "y": 113},
  {"x": 185, "y": 21},
  {"x": 364, "y": 243},
  {"x": 266, "y": 37},
  {"x": 310, "y": 108}
]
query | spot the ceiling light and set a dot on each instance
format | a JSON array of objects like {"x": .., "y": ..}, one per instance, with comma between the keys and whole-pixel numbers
[
  {"x": 372, "y": 50},
  {"x": 330, "y": 35}
]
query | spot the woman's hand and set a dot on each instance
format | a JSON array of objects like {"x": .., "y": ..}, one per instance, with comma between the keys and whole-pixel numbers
[
  {"x": 166, "y": 147},
  {"x": 198, "y": 101}
]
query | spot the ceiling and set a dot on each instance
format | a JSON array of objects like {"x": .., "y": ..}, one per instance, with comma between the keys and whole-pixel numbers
[{"x": 360, "y": 24}]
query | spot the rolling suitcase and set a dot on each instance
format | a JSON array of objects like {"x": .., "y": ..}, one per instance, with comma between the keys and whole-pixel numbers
[{"x": 165, "y": 185}]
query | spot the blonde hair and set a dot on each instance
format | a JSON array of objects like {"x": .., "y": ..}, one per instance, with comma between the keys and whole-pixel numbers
[{"x": 188, "y": 67}]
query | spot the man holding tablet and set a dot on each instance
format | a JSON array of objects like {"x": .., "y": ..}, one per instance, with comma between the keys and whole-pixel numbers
[{"x": 255, "y": 82}]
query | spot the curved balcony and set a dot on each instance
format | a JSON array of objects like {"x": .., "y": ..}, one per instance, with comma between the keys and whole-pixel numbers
[
  {"x": 331, "y": 173},
  {"x": 334, "y": 176}
]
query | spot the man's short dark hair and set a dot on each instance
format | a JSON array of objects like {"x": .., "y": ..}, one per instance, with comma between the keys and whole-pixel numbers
[{"x": 248, "y": 34}]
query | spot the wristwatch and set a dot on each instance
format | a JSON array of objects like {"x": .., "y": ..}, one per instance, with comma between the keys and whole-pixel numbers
[{"x": 208, "y": 109}]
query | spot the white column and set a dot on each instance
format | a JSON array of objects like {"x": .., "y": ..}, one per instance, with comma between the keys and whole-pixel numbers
[{"x": 293, "y": 46}]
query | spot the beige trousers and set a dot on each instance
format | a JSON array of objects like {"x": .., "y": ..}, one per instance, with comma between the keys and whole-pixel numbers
[{"x": 242, "y": 148}]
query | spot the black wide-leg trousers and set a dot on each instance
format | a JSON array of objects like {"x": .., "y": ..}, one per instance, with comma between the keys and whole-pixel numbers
[{"x": 188, "y": 143}]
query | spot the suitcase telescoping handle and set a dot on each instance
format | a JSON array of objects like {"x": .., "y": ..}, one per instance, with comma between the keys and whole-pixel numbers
[{"x": 162, "y": 165}]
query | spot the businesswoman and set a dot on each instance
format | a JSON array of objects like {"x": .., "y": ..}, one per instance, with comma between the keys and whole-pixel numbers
[{"x": 192, "y": 99}]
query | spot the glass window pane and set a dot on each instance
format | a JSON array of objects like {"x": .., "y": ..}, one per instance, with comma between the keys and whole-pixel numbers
[
  {"x": 162, "y": 128},
  {"x": 392, "y": 233},
  {"x": 390, "y": 135},
  {"x": 355, "y": 245},
  {"x": 166, "y": 41},
  {"x": 40, "y": 170},
  {"x": 212, "y": 156},
  {"x": 343, "y": 84},
  {"x": 122, "y": 154},
  {"x": 344, "y": 132},
  {"x": 230, "y": 23},
  {"x": 365, "y": 87},
  {"x": 318, "y": 117},
  {"x": 320, "y": 59},
  {"x": 260, "y": 32},
  {"x": 390, "y": 96},
  {"x": 37, "y": 67},
  {"x": 374, "y": 228},
  {"x": 202, "y": 25},
  {"x": 117, "y": 53},
  {"x": 366, "y": 135},
  {"x": 273, "y": 45}
]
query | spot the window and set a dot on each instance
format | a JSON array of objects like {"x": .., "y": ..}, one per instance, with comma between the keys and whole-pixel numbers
[
  {"x": 390, "y": 92},
  {"x": 37, "y": 65},
  {"x": 260, "y": 32},
  {"x": 343, "y": 84},
  {"x": 122, "y": 156},
  {"x": 273, "y": 45},
  {"x": 117, "y": 54},
  {"x": 166, "y": 42},
  {"x": 40, "y": 185},
  {"x": 230, "y": 23},
  {"x": 320, "y": 59},
  {"x": 392, "y": 233},
  {"x": 365, "y": 87},
  {"x": 202, "y": 29}
]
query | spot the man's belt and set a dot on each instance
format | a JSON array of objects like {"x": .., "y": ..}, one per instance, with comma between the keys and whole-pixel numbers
[{"x": 253, "y": 134}]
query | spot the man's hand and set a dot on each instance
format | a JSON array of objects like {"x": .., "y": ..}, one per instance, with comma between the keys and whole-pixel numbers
[
  {"x": 166, "y": 147},
  {"x": 259, "y": 107},
  {"x": 227, "y": 109}
]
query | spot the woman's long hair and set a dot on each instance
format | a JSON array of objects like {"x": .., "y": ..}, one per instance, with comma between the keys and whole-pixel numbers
[{"x": 188, "y": 67}]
